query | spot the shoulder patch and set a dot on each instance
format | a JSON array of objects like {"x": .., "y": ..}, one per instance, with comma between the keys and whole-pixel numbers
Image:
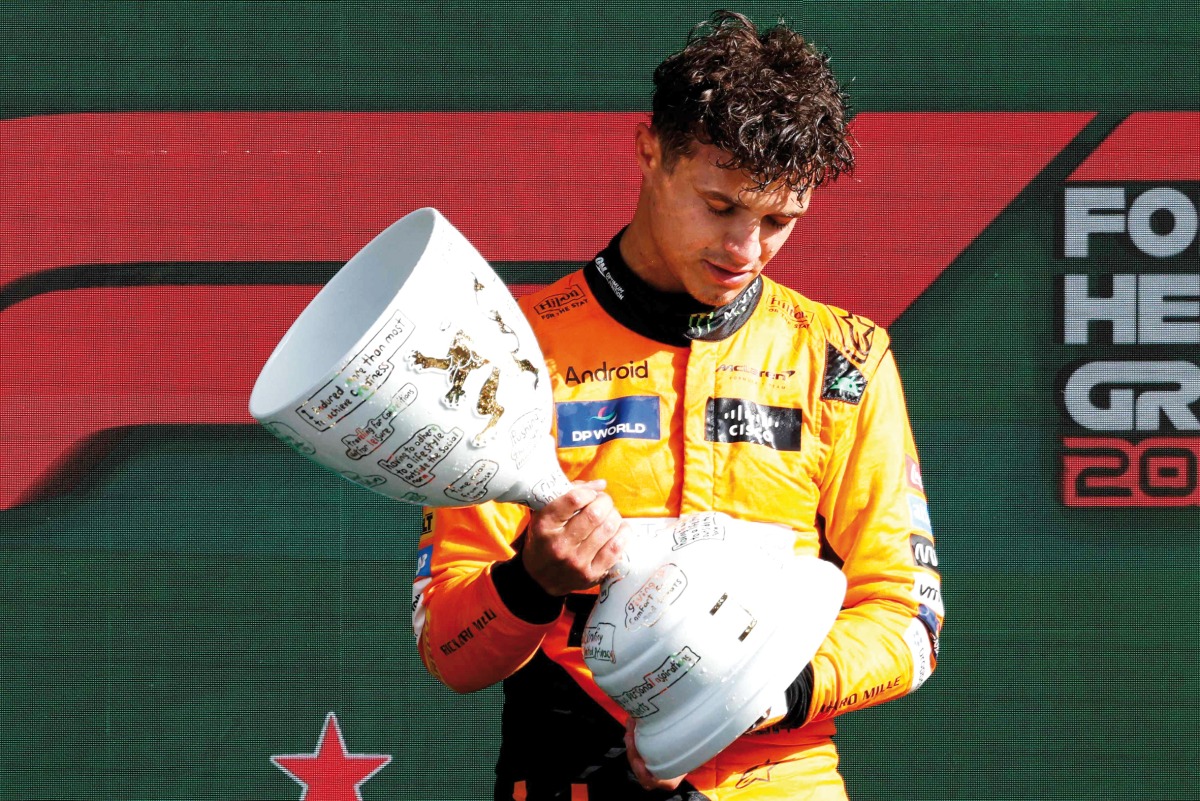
[
  {"x": 857, "y": 335},
  {"x": 843, "y": 381}
]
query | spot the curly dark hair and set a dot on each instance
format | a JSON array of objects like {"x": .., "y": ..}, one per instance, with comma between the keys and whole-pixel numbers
[{"x": 767, "y": 99}]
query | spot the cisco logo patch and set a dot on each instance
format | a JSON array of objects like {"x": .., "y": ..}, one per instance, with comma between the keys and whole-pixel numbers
[
  {"x": 741, "y": 420},
  {"x": 586, "y": 423}
]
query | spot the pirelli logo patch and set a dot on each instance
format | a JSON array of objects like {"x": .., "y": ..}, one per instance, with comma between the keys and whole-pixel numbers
[{"x": 741, "y": 420}]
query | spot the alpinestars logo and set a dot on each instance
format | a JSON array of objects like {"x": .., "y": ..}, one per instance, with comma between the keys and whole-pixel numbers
[
  {"x": 843, "y": 381},
  {"x": 741, "y": 420}
]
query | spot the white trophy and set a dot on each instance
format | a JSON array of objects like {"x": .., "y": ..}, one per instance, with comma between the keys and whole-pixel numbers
[
  {"x": 699, "y": 632},
  {"x": 414, "y": 373}
]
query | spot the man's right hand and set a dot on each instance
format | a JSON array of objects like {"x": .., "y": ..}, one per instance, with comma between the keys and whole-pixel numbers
[{"x": 573, "y": 541}]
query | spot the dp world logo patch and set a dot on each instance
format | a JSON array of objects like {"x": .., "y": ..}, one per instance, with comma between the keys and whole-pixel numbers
[{"x": 584, "y": 423}]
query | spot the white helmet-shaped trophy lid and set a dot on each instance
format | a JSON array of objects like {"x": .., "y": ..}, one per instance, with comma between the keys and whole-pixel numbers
[
  {"x": 414, "y": 373},
  {"x": 702, "y": 628}
]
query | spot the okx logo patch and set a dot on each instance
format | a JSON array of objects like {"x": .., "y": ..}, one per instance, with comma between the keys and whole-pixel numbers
[
  {"x": 741, "y": 420},
  {"x": 582, "y": 423}
]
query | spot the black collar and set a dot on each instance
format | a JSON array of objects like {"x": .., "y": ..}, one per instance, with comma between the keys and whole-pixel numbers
[{"x": 672, "y": 318}]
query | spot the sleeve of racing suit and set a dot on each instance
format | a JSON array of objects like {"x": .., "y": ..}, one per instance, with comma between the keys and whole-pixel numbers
[
  {"x": 884, "y": 642},
  {"x": 477, "y": 615}
]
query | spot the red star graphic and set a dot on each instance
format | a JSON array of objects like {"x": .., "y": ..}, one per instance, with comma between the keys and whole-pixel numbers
[{"x": 330, "y": 773}]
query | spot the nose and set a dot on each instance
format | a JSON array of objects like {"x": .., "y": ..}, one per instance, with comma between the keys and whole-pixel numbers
[{"x": 743, "y": 245}]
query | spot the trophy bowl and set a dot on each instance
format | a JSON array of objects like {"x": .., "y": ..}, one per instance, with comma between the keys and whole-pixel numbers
[
  {"x": 414, "y": 373},
  {"x": 701, "y": 629}
]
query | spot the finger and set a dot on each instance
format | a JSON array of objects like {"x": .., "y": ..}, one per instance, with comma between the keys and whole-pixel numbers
[
  {"x": 564, "y": 508},
  {"x": 640, "y": 771},
  {"x": 611, "y": 551},
  {"x": 593, "y": 519}
]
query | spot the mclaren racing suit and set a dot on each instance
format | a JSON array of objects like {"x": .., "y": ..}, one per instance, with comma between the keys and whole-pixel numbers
[{"x": 774, "y": 408}]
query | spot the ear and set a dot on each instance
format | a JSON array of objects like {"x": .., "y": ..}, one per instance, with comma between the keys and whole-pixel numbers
[{"x": 648, "y": 149}]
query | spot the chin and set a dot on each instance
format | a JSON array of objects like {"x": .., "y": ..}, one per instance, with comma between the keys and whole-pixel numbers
[{"x": 718, "y": 297}]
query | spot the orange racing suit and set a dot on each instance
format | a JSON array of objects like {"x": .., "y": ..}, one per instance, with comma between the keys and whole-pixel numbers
[{"x": 774, "y": 408}]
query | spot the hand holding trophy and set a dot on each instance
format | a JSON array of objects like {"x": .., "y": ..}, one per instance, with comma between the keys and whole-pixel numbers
[{"x": 414, "y": 373}]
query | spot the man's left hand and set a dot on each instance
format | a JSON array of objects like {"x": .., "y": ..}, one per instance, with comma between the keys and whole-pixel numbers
[{"x": 647, "y": 779}]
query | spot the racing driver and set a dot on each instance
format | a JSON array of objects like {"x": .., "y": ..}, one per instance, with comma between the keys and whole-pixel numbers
[{"x": 684, "y": 380}]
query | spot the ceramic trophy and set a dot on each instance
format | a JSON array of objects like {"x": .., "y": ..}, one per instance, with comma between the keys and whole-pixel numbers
[
  {"x": 414, "y": 373},
  {"x": 698, "y": 632}
]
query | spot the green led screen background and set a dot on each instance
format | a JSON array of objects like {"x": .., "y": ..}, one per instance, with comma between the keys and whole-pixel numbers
[{"x": 185, "y": 598}]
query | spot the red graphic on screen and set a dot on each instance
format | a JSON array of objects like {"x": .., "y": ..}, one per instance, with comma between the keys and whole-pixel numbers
[
  {"x": 1147, "y": 146},
  {"x": 100, "y": 191},
  {"x": 331, "y": 773}
]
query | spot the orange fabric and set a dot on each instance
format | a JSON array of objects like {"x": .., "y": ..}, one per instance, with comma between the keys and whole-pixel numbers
[{"x": 852, "y": 485}]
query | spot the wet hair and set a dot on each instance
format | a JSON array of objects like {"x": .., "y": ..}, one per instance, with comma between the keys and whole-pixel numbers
[{"x": 768, "y": 100}]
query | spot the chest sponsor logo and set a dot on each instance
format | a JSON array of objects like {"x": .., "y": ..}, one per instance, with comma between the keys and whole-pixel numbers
[
  {"x": 792, "y": 313},
  {"x": 551, "y": 306},
  {"x": 583, "y": 423},
  {"x": 741, "y": 420},
  {"x": 755, "y": 373},
  {"x": 606, "y": 372}
]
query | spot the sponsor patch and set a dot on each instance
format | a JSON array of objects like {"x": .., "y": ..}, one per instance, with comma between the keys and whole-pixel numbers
[
  {"x": 858, "y": 335},
  {"x": 930, "y": 619},
  {"x": 843, "y": 381},
  {"x": 756, "y": 374},
  {"x": 918, "y": 513},
  {"x": 721, "y": 322},
  {"x": 584, "y": 423},
  {"x": 912, "y": 473},
  {"x": 924, "y": 554},
  {"x": 920, "y": 644},
  {"x": 551, "y": 306},
  {"x": 927, "y": 591},
  {"x": 418, "y": 606},
  {"x": 606, "y": 372},
  {"x": 424, "y": 562},
  {"x": 741, "y": 420},
  {"x": 793, "y": 314}
]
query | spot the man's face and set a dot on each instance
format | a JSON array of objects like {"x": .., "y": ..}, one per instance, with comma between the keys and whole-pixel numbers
[{"x": 705, "y": 231}]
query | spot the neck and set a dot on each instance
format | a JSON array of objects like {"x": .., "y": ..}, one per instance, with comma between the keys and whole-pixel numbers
[
  {"x": 670, "y": 317},
  {"x": 641, "y": 256}
]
